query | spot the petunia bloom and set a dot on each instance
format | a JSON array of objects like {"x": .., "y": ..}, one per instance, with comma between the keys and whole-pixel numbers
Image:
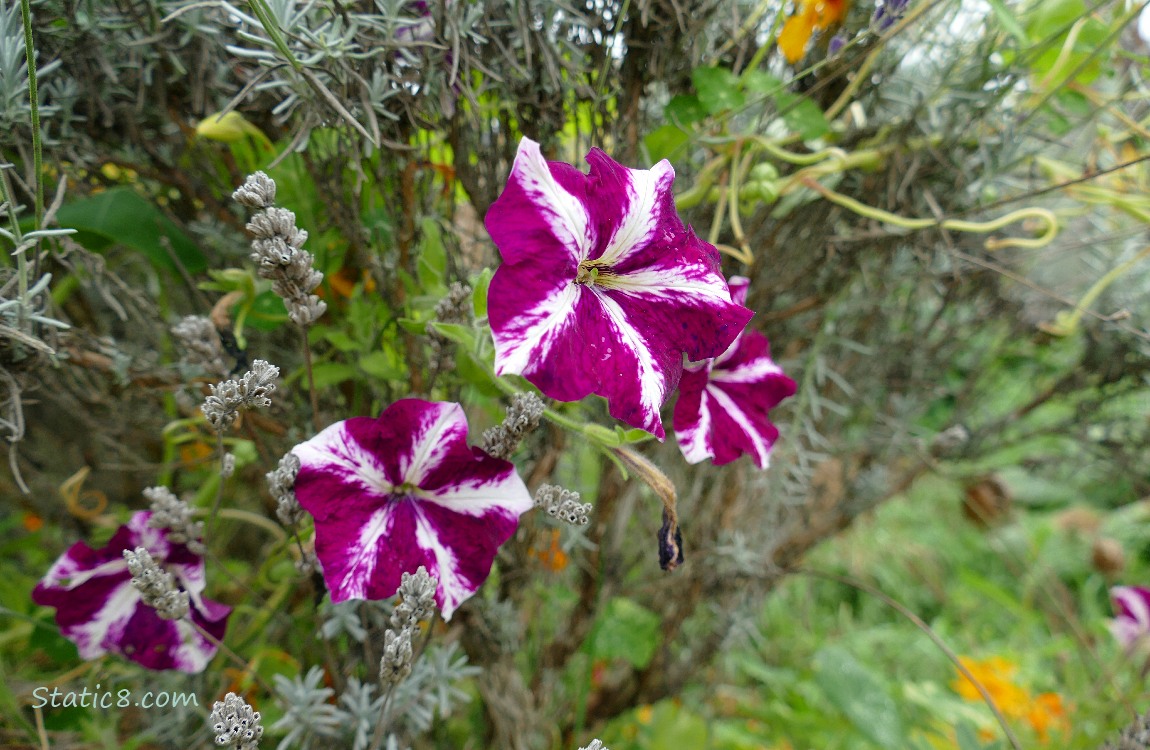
[
  {"x": 99, "y": 609},
  {"x": 404, "y": 490},
  {"x": 723, "y": 402},
  {"x": 602, "y": 288},
  {"x": 1132, "y": 625}
]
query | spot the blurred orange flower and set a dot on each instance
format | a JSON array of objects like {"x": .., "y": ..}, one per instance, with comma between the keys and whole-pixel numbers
[
  {"x": 809, "y": 16},
  {"x": 996, "y": 674}
]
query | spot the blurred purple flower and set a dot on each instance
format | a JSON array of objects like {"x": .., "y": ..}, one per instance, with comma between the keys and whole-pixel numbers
[
  {"x": 602, "y": 288},
  {"x": 723, "y": 402},
  {"x": 888, "y": 13},
  {"x": 838, "y": 41},
  {"x": 1132, "y": 625},
  {"x": 422, "y": 26},
  {"x": 404, "y": 490},
  {"x": 99, "y": 609}
]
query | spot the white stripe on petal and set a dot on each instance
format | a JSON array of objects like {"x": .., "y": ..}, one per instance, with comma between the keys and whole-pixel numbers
[
  {"x": 454, "y": 591},
  {"x": 563, "y": 212},
  {"x": 641, "y": 219},
  {"x": 761, "y": 448},
  {"x": 363, "y": 554},
  {"x": 695, "y": 441},
  {"x": 652, "y": 382},
  {"x": 335, "y": 451},
  {"x": 432, "y": 441},
  {"x": 113, "y": 617},
  {"x": 754, "y": 371},
  {"x": 508, "y": 495},
  {"x": 526, "y": 340},
  {"x": 671, "y": 284}
]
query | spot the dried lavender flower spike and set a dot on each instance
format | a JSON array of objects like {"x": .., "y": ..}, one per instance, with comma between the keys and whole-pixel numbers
[
  {"x": 277, "y": 251},
  {"x": 228, "y": 465},
  {"x": 200, "y": 344},
  {"x": 416, "y": 599},
  {"x": 281, "y": 484},
  {"x": 595, "y": 745},
  {"x": 235, "y": 724},
  {"x": 395, "y": 665},
  {"x": 250, "y": 392},
  {"x": 563, "y": 504},
  {"x": 522, "y": 417},
  {"x": 171, "y": 513},
  {"x": 157, "y": 587},
  {"x": 258, "y": 191}
]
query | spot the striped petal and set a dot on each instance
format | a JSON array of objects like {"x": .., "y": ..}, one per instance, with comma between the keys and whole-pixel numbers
[
  {"x": 603, "y": 289},
  {"x": 724, "y": 402},
  {"x": 1132, "y": 605},
  {"x": 99, "y": 609},
  {"x": 404, "y": 490}
]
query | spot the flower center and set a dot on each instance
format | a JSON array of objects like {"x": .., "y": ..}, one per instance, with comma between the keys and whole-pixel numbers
[{"x": 594, "y": 272}]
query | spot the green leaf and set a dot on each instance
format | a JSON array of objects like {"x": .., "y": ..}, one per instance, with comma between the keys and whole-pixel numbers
[
  {"x": 718, "y": 89},
  {"x": 760, "y": 82},
  {"x": 472, "y": 371},
  {"x": 967, "y": 735},
  {"x": 331, "y": 373},
  {"x": 382, "y": 365},
  {"x": 860, "y": 696},
  {"x": 413, "y": 326},
  {"x": 684, "y": 110},
  {"x": 675, "y": 727},
  {"x": 479, "y": 295},
  {"x": 462, "y": 335},
  {"x": 121, "y": 216},
  {"x": 432, "y": 257},
  {"x": 603, "y": 435},
  {"x": 665, "y": 142},
  {"x": 626, "y": 631},
  {"x": 633, "y": 436},
  {"x": 1009, "y": 23},
  {"x": 341, "y": 341},
  {"x": 267, "y": 312},
  {"x": 802, "y": 116}
]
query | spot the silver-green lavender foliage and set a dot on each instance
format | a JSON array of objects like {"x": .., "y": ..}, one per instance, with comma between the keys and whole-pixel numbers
[
  {"x": 171, "y": 513},
  {"x": 363, "y": 703},
  {"x": 432, "y": 688},
  {"x": 157, "y": 587},
  {"x": 1135, "y": 736},
  {"x": 14, "y": 107},
  {"x": 563, "y": 504},
  {"x": 249, "y": 392},
  {"x": 235, "y": 724},
  {"x": 307, "y": 714},
  {"x": 522, "y": 417}
]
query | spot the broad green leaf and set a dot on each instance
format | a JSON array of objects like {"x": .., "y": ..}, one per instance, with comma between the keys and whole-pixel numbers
[
  {"x": 967, "y": 735},
  {"x": 432, "y": 256},
  {"x": 382, "y": 365},
  {"x": 330, "y": 373},
  {"x": 684, "y": 109},
  {"x": 121, "y": 216},
  {"x": 462, "y": 335},
  {"x": 860, "y": 696},
  {"x": 470, "y": 370},
  {"x": 760, "y": 82},
  {"x": 413, "y": 326},
  {"x": 665, "y": 142},
  {"x": 718, "y": 89},
  {"x": 802, "y": 116},
  {"x": 626, "y": 631},
  {"x": 341, "y": 341},
  {"x": 267, "y": 312},
  {"x": 1009, "y": 23}
]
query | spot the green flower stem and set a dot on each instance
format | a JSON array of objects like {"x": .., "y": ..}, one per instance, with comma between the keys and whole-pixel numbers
[
  {"x": 976, "y": 227},
  {"x": 1066, "y": 324},
  {"x": 34, "y": 105},
  {"x": 267, "y": 20},
  {"x": 697, "y": 193}
]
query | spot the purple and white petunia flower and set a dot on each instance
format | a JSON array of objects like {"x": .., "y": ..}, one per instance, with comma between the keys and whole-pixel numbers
[
  {"x": 404, "y": 490},
  {"x": 1132, "y": 625},
  {"x": 723, "y": 402},
  {"x": 602, "y": 288},
  {"x": 99, "y": 609}
]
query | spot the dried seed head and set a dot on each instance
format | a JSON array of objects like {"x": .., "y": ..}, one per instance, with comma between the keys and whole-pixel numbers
[
  {"x": 200, "y": 344},
  {"x": 416, "y": 599},
  {"x": 157, "y": 587},
  {"x": 258, "y": 191},
  {"x": 523, "y": 416},
  {"x": 250, "y": 392},
  {"x": 281, "y": 483},
  {"x": 171, "y": 513},
  {"x": 235, "y": 724},
  {"x": 563, "y": 504},
  {"x": 395, "y": 665}
]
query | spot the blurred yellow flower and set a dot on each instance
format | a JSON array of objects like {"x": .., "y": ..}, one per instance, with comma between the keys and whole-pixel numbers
[
  {"x": 809, "y": 15},
  {"x": 228, "y": 128}
]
